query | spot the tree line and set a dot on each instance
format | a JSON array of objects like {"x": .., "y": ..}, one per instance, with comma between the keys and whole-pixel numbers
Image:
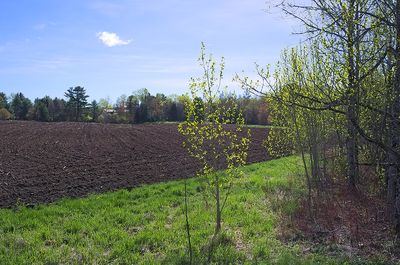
[
  {"x": 338, "y": 95},
  {"x": 139, "y": 107}
]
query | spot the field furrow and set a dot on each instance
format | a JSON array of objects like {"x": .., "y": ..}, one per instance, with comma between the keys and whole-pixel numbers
[{"x": 42, "y": 162}]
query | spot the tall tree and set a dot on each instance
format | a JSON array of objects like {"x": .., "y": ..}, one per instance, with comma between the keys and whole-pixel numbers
[
  {"x": 41, "y": 112},
  {"x": 20, "y": 106},
  {"x": 58, "y": 110},
  {"x": 95, "y": 110},
  {"x": 387, "y": 15},
  {"x": 131, "y": 105},
  {"x": 350, "y": 53},
  {"x": 173, "y": 112},
  {"x": 356, "y": 75},
  {"x": 77, "y": 100}
]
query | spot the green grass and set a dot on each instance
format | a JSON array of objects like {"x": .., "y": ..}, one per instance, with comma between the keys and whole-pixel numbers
[
  {"x": 264, "y": 126},
  {"x": 246, "y": 125},
  {"x": 146, "y": 225}
]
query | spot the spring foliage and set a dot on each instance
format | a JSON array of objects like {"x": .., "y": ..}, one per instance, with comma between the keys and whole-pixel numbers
[{"x": 214, "y": 127}]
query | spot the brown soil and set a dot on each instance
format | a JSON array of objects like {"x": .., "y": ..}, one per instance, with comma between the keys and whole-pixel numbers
[
  {"x": 42, "y": 162},
  {"x": 345, "y": 222}
]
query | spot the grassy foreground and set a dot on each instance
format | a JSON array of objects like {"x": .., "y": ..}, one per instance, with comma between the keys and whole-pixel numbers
[{"x": 146, "y": 225}]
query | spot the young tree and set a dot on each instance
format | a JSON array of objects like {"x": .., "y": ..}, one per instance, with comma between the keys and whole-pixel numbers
[
  {"x": 209, "y": 136},
  {"x": 77, "y": 100}
]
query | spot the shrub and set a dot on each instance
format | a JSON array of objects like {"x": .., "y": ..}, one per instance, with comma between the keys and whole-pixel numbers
[{"x": 4, "y": 114}]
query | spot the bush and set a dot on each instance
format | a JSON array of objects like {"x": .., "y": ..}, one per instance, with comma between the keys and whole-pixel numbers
[
  {"x": 279, "y": 143},
  {"x": 4, "y": 114}
]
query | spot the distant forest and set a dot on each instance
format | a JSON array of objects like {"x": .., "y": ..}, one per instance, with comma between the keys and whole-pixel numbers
[{"x": 139, "y": 107}]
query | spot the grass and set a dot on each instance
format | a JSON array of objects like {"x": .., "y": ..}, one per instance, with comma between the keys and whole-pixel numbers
[
  {"x": 146, "y": 225},
  {"x": 264, "y": 126},
  {"x": 246, "y": 125}
]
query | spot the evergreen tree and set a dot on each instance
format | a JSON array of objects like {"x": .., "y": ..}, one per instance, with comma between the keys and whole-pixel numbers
[
  {"x": 77, "y": 101},
  {"x": 95, "y": 110},
  {"x": 20, "y": 106},
  {"x": 42, "y": 112}
]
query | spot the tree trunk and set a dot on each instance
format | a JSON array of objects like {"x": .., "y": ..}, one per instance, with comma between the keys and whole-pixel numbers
[
  {"x": 218, "y": 210},
  {"x": 217, "y": 219},
  {"x": 77, "y": 112},
  {"x": 395, "y": 135},
  {"x": 187, "y": 225},
  {"x": 314, "y": 152},
  {"x": 300, "y": 145},
  {"x": 392, "y": 175},
  {"x": 351, "y": 145},
  {"x": 352, "y": 91}
]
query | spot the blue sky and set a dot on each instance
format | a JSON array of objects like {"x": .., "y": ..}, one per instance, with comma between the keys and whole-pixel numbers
[{"x": 116, "y": 47}]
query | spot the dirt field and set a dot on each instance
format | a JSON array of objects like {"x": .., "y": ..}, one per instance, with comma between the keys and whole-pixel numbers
[{"x": 42, "y": 162}]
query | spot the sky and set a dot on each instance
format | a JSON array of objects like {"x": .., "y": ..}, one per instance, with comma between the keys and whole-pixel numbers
[{"x": 115, "y": 47}]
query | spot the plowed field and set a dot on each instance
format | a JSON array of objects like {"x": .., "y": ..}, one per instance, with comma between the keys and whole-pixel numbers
[{"x": 42, "y": 162}]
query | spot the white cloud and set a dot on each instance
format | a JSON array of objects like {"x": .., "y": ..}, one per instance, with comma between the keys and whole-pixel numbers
[{"x": 111, "y": 39}]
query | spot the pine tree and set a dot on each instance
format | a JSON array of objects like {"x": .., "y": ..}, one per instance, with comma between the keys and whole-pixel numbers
[
  {"x": 77, "y": 100},
  {"x": 95, "y": 110}
]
